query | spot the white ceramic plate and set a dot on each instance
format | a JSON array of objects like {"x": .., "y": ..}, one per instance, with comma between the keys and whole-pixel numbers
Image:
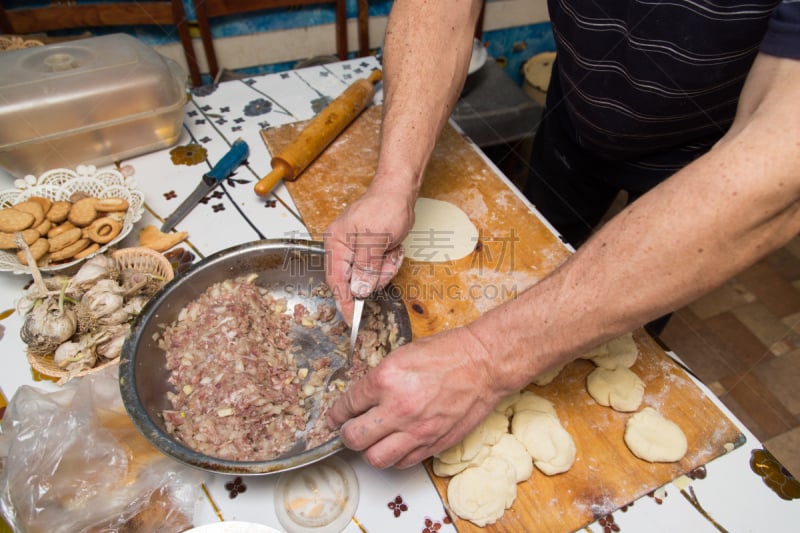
[
  {"x": 60, "y": 184},
  {"x": 479, "y": 56}
]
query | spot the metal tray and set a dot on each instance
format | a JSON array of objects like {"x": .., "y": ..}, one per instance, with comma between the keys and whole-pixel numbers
[{"x": 294, "y": 266}]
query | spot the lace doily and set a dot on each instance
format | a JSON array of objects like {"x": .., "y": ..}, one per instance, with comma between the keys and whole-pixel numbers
[
  {"x": 60, "y": 184},
  {"x": 15, "y": 42}
]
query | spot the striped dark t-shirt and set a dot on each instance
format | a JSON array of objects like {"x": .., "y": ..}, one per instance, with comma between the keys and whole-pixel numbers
[{"x": 653, "y": 84}]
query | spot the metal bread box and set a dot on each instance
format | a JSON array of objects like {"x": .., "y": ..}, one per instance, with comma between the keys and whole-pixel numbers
[{"x": 90, "y": 101}]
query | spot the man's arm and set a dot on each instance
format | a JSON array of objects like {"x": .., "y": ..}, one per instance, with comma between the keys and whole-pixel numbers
[
  {"x": 426, "y": 53},
  {"x": 688, "y": 235}
]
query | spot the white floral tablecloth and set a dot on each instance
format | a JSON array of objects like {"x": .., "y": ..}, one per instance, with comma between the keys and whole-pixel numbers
[{"x": 741, "y": 491}]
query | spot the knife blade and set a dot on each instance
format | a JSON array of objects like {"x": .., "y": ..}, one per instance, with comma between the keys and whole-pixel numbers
[{"x": 236, "y": 155}]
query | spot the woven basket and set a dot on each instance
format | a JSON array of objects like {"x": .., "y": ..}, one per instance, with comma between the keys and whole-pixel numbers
[
  {"x": 45, "y": 365},
  {"x": 146, "y": 260},
  {"x": 138, "y": 258}
]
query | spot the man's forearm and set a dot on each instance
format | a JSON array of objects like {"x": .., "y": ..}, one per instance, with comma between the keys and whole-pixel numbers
[
  {"x": 427, "y": 50},
  {"x": 690, "y": 234}
]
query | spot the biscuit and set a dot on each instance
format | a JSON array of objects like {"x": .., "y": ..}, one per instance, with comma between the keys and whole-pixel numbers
[
  {"x": 46, "y": 203},
  {"x": 77, "y": 196},
  {"x": 151, "y": 237},
  {"x": 117, "y": 215},
  {"x": 111, "y": 204},
  {"x": 38, "y": 249},
  {"x": 61, "y": 241},
  {"x": 12, "y": 220},
  {"x": 34, "y": 209},
  {"x": 89, "y": 250},
  {"x": 44, "y": 227},
  {"x": 103, "y": 230},
  {"x": 58, "y": 211},
  {"x": 82, "y": 212},
  {"x": 58, "y": 230},
  {"x": 70, "y": 251},
  {"x": 8, "y": 240}
]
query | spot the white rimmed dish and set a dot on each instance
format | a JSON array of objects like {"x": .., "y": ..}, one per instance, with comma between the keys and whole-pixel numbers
[
  {"x": 60, "y": 184},
  {"x": 479, "y": 56}
]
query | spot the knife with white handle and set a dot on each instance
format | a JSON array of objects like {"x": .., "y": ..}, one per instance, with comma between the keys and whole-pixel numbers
[{"x": 236, "y": 155}]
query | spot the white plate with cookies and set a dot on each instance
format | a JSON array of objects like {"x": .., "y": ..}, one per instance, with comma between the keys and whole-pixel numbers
[{"x": 66, "y": 216}]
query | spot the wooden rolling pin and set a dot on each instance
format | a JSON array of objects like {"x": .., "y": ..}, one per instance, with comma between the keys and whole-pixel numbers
[{"x": 319, "y": 133}]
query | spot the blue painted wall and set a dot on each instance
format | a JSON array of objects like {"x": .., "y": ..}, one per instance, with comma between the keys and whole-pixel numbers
[
  {"x": 269, "y": 20},
  {"x": 510, "y": 46}
]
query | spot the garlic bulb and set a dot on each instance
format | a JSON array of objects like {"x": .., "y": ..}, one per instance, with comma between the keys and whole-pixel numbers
[
  {"x": 53, "y": 286},
  {"x": 111, "y": 342},
  {"x": 95, "y": 269},
  {"x": 133, "y": 281},
  {"x": 76, "y": 356},
  {"x": 56, "y": 283},
  {"x": 66, "y": 353},
  {"x": 135, "y": 305},
  {"x": 47, "y": 325},
  {"x": 114, "y": 318},
  {"x": 104, "y": 298},
  {"x": 84, "y": 319},
  {"x": 26, "y": 303}
]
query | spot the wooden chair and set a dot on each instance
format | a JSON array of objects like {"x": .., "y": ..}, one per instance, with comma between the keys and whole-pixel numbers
[
  {"x": 209, "y": 9},
  {"x": 60, "y": 15}
]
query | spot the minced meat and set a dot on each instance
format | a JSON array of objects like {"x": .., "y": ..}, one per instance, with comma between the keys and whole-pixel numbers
[{"x": 238, "y": 392}]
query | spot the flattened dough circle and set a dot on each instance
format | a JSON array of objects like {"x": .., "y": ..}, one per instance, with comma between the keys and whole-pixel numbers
[
  {"x": 620, "y": 388},
  {"x": 481, "y": 494},
  {"x": 442, "y": 232},
  {"x": 551, "y": 446},
  {"x": 654, "y": 438},
  {"x": 621, "y": 352}
]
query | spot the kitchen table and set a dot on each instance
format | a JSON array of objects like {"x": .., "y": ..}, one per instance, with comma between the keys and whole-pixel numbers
[{"x": 740, "y": 491}]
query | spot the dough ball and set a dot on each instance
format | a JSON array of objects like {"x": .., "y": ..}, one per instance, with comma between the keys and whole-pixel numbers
[
  {"x": 654, "y": 438},
  {"x": 549, "y": 376},
  {"x": 620, "y": 389},
  {"x": 528, "y": 401},
  {"x": 597, "y": 351},
  {"x": 505, "y": 406},
  {"x": 441, "y": 232},
  {"x": 513, "y": 451},
  {"x": 443, "y": 469},
  {"x": 550, "y": 445},
  {"x": 481, "y": 494},
  {"x": 486, "y": 433},
  {"x": 621, "y": 352}
]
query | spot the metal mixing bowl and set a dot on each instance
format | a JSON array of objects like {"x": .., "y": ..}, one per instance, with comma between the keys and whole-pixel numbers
[{"x": 290, "y": 265}]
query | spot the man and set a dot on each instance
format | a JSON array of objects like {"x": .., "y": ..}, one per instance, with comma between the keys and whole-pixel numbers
[{"x": 714, "y": 195}]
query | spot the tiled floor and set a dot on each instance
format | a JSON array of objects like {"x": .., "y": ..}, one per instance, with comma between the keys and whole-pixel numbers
[{"x": 742, "y": 340}]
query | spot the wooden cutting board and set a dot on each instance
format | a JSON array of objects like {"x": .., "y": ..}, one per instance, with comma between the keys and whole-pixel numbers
[
  {"x": 606, "y": 475},
  {"x": 515, "y": 250}
]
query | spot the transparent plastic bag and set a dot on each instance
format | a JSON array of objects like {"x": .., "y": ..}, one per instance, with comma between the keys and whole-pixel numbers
[{"x": 72, "y": 461}]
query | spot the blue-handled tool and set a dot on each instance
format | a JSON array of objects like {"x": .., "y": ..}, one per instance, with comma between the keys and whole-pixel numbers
[{"x": 224, "y": 168}]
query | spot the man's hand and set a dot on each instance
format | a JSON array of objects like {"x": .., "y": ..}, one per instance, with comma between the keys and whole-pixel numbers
[
  {"x": 421, "y": 399},
  {"x": 424, "y": 41},
  {"x": 363, "y": 246}
]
